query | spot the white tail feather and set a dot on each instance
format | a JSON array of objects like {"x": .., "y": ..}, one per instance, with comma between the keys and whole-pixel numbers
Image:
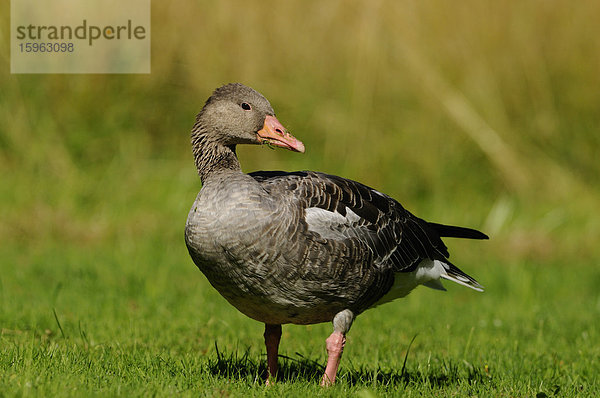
[{"x": 460, "y": 282}]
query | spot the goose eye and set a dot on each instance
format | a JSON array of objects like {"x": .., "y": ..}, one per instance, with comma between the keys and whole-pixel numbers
[{"x": 246, "y": 106}]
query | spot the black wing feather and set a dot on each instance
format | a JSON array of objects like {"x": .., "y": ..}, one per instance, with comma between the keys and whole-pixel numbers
[{"x": 451, "y": 231}]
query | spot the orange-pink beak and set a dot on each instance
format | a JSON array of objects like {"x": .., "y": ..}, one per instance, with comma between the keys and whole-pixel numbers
[{"x": 273, "y": 133}]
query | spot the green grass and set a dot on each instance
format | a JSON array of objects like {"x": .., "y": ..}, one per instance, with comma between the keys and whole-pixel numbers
[
  {"x": 144, "y": 321},
  {"x": 126, "y": 312},
  {"x": 476, "y": 113}
]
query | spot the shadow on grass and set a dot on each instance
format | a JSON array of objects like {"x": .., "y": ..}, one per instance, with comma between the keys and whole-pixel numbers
[{"x": 242, "y": 367}]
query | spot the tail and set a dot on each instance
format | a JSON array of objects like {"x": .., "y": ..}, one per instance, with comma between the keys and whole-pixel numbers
[
  {"x": 450, "y": 231},
  {"x": 454, "y": 274}
]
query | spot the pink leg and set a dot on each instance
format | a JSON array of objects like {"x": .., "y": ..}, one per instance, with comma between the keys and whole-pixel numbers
[
  {"x": 272, "y": 338},
  {"x": 335, "y": 347}
]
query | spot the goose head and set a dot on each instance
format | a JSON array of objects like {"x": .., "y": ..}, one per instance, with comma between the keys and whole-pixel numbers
[{"x": 236, "y": 114}]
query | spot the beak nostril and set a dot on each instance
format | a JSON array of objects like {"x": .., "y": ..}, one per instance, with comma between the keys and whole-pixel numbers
[{"x": 279, "y": 131}]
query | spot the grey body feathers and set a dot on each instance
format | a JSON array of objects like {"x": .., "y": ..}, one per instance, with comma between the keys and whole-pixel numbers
[{"x": 302, "y": 247}]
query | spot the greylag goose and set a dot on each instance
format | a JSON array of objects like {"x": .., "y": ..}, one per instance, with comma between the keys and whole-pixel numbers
[{"x": 302, "y": 247}]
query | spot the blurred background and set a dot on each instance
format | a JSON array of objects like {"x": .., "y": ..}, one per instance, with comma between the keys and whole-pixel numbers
[{"x": 476, "y": 113}]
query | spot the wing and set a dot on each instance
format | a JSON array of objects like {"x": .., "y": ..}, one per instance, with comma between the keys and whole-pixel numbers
[{"x": 344, "y": 210}]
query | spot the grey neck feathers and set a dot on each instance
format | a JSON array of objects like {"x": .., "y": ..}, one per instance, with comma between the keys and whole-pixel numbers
[{"x": 212, "y": 157}]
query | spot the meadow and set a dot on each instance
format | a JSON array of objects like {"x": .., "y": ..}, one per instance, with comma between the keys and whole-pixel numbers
[{"x": 477, "y": 113}]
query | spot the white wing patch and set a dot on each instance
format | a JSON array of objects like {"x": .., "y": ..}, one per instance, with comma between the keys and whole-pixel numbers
[{"x": 329, "y": 224}]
